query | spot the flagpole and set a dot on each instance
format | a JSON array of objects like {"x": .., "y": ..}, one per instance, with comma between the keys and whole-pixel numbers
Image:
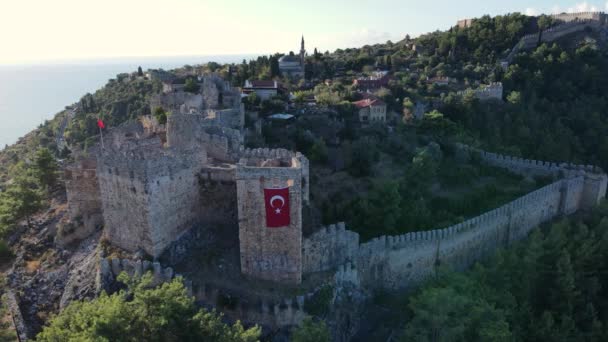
[{"x": 101, "y": 134}]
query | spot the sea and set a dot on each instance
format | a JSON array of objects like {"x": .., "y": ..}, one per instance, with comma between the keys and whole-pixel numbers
[{"x": 33, "y": 93}]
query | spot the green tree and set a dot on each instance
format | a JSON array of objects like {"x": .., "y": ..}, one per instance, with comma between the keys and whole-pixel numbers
[
  {"x": 143, "y": 313},
  {"x": 514, "y": 97},
  {"x": 425, "y": 163},
  {"x": 364, "y": 154},
  {"x": 318, "y": 151},
  {"x": 45, "y": 167},
  {"x": 191, "y": 86},
  {"x": 311, "y": 331},
  {"x": 544, "y": 22},
  {"x": 139, "y": 71},
  {"x": 161, "y": 115},
  {"x": 21, "y": 200}
]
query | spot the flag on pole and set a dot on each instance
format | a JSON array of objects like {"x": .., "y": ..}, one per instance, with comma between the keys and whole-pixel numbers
[
  {"x": 101, "y": 126},
  {"x": 276, "y": 202}
]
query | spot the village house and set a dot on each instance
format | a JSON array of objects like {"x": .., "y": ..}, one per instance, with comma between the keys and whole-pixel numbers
[
  {"x": 376, "y": 81},
  {"x": 263, "y": 89},
  {"x": 371, "y": 109}
]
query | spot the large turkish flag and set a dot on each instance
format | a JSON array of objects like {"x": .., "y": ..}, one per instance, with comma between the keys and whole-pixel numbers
[{"x": 277, "y": 207}]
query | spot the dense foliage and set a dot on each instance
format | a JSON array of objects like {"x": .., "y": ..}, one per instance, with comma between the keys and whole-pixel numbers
[
  {"x": 123, "y": 98},
  {"x": 311, "y": 331},
  {"x": 433, "y": 189},
  {"x": 551, "y": 287},
  {"x": 555, "y": 110},
  {"x": 144, "y": 313},
  {"x": 7, "y": 334}
]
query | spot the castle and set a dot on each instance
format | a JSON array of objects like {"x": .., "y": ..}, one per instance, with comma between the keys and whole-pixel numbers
[{"x": 151, "y": 185}]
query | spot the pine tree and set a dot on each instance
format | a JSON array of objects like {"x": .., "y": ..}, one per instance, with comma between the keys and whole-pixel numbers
[{"x": 45, "y": 168}]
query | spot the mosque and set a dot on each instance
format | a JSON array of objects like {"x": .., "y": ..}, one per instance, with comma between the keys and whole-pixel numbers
[{"x": 293, "y": 65}]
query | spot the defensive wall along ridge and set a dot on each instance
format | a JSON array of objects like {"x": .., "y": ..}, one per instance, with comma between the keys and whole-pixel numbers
[
  {"x": 189, "y": 174},
  {"x": 403, "y": 261},
  {"x": 395, "y": 262},
  {"x": 530, "y": 41}
]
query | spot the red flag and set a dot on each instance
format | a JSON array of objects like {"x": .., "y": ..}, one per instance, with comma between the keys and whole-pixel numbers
[
  {"x": 100, "y": 124},
  {"x": 277, "y": 207}
]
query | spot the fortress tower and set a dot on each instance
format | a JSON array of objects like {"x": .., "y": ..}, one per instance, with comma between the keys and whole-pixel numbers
[
  {"x": 271, "y": 253},
  {"x": 150, "y": 194}
]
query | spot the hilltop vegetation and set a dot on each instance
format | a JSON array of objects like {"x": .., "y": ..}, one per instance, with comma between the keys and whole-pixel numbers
[
  {"x": 551, "y": 287},
  {"x": 144, "y": 313}
]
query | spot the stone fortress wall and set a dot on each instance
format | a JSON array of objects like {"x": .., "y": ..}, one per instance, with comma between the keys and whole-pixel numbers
[
  {"x": 155, "y": 183},
  {"x": 404, "y": 261},
  {"x": 329, "y": 248},
  {"x": 220, "y": 142},
  {"x": 568, "y": 17},
  {"x": 275, "y": 313},
  {"x": 140, "y": 182},
  {"x": 271, "y": 253},
  {"x": 493, "y": 90},
  {"x": 84, "y": 209},
  {"x": 572, "y": 22},
  {"x": 216, "y": 100}
]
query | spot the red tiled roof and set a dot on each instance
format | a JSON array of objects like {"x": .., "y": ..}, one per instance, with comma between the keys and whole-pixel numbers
[{"x": 368, "y": 103}]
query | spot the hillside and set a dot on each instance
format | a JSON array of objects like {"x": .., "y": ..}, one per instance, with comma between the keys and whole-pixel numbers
[{"x": 402, "y": 185}]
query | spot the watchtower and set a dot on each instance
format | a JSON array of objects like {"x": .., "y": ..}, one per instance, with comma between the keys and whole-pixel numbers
[{"x": 271, "y": 253}]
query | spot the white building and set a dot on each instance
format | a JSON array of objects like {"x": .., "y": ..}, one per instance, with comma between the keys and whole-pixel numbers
[
  {"x": 263, "y": 89},
  {"x": 371, "y": 110}
]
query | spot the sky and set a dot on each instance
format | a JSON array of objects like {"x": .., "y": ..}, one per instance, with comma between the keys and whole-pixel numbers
[{"x": 39, "y": 31}]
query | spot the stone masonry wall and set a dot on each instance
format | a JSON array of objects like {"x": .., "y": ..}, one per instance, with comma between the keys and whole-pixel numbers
[
  {"x": 329, "y": 248},
  {"x": 404, "y": 261},
  {"x": 217, "y": 186},
  {"x": 141, "y": 186},
  {"x": 270, "y": 253},
  {"x": 395, "y": 262},
  {"x": 530, "y": 41},
  {"x": 188, "y": 131},
  {"x": 84, "y": 203},
  {"x": 567, "y": 17},
  {"x": 109, "y": 269}
]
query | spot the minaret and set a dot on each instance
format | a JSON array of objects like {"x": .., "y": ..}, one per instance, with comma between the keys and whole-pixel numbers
[{"x": 302, "y": 52}]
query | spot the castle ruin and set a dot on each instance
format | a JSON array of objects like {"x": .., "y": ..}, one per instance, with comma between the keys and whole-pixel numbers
[
  {"x": 151, "y": 185},
  {"x": 215, "y": 100}
]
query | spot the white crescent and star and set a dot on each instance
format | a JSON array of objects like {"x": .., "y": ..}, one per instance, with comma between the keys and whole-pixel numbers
[{"x": 277, "y": 198}]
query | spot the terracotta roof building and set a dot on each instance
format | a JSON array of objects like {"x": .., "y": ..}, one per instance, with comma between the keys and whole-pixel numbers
[{"x": 371, "y": 109}]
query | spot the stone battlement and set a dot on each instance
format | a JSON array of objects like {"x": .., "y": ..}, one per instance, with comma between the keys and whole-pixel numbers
[
  {"x": 186, "y": 131},
  {"x": 528, "y": 167},
  {"x": 492, "y": 91},
  {"x": 109, "y": 269},
  {"x": 579, "y": 16},
  {"x": 329, "y": 247},
  {"x": 530, "y": 41},
  {"x": 394, "y": 262}
]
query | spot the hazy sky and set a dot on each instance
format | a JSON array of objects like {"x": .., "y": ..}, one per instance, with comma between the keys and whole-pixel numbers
[{"x": 43, "y": 30}]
